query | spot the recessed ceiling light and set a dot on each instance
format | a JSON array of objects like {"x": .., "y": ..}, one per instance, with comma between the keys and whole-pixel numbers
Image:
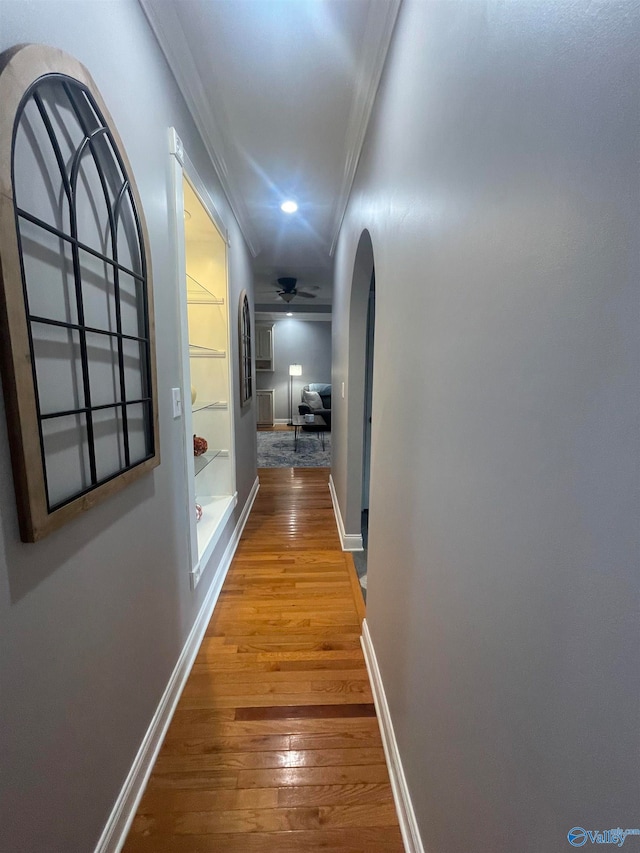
[
  {"x": 289, "y": 314},
  {"x": 289, "y": 206}
]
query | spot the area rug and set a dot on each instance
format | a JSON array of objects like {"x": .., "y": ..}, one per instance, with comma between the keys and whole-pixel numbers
[{"x": 275, "y": 450}]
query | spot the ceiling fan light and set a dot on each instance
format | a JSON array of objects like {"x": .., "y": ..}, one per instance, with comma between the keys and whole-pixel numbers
[
  {"x": 287, "y": 283},
  {"x": 287, "y": 296},
  {"x": 289, "y": 206}
]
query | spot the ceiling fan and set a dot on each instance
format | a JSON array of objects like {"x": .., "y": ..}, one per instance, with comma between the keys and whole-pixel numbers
[{"x": 289, "y": 290}]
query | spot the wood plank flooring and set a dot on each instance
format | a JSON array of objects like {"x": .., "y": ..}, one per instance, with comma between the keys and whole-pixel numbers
[{"x": 275, "y": 745}]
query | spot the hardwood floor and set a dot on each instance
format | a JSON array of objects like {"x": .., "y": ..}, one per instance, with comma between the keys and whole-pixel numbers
[{"x": 275, "y": 744}]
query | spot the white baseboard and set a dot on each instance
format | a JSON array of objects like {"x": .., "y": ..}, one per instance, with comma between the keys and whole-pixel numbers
[
  {"x": 349, "y": 541},
  {"x": 401, "y": 796},
  {"x": 121, "y": 817}
]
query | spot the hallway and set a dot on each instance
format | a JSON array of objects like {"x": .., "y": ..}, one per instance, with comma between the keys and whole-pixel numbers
[{"x": 275, "y": 744}]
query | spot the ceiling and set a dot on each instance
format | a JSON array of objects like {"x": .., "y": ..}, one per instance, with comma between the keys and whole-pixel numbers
[{"x": 281, "y": 91}]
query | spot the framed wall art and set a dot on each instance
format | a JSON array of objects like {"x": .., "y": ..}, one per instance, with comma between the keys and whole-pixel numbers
[
  {"x": 76, "y": 306},
  {"x": 245, "y": 342}
]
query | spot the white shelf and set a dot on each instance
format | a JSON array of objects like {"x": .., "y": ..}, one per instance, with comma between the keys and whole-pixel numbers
[
  {"x": 205, "y": 352},
  {"x": 215, "y": 511},
  {"x": 199, "y": 294},
  {"x": 201, "y": 462},
  {"x": 200, "y": 407}
]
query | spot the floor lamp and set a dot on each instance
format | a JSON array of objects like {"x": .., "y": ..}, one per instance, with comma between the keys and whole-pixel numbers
[{"x": 294, "y": 370}]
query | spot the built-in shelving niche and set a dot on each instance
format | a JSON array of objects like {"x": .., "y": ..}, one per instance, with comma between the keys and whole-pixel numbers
[{"x": 207, "y": 378}]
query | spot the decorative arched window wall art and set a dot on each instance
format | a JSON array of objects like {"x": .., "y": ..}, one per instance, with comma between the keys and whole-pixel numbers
[
  {"x": 76, "y": 313},
  {"x": 244, "y": 335}
]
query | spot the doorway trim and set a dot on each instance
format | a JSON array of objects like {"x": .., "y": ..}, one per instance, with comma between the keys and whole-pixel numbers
[
  {"x": 348, "y": 517},
  {"x": 200, "y": 553}
]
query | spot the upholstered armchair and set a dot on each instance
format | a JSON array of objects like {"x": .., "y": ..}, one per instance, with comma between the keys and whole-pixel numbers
[{"x": 316, "y": 400}]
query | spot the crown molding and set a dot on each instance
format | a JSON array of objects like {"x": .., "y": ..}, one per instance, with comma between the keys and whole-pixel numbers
[
  {"x": 378, "y": 30},
  {"x": 273, "y": 314},
  {"x": 166, "y": 27},
  {"x": 295, "y": 309}
]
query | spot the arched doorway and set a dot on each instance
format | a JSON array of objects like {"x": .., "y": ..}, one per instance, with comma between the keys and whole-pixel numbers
[
  {"x": 368, "y": 408},
  {"x": 360, "y": 397}
]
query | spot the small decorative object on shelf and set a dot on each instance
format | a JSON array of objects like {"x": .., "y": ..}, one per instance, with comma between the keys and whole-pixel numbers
[
  {"x": 198, "y": 513},
  {"x": 199, "y": 445}
]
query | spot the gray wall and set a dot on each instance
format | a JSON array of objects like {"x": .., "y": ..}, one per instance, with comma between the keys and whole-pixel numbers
[
  {"x": 499, "y": 183},
  {"x": 305, "y": 342},
  {"x": 93, "y": 619}
]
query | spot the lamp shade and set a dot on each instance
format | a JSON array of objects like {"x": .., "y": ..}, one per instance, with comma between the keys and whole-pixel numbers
[{"x": 295, "y": 370}]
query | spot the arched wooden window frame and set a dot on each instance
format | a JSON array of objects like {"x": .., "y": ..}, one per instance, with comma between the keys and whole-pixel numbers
[
  {"x": 245, "y": 341},
  {"x": 22, "y": 69}
]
